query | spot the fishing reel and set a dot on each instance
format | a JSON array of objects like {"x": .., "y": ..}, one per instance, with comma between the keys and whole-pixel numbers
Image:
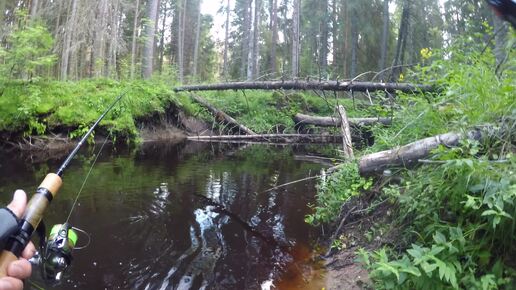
[{"x": 55, "y": 255}]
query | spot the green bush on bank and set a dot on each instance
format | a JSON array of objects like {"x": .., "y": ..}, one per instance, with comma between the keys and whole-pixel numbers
[{"x": 457, "y": 215}]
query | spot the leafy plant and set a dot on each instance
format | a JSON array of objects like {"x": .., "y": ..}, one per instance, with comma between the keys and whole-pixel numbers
[{"x": 336, "y": 189}]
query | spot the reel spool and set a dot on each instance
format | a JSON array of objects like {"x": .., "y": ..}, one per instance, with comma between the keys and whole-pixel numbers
[{"x": 55, "y": 255}]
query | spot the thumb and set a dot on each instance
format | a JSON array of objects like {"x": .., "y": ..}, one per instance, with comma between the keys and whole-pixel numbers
[{"x": 19, "y": 202}]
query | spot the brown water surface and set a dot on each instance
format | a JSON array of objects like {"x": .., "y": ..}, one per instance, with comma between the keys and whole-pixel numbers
[{"x": 183, "y": 216}]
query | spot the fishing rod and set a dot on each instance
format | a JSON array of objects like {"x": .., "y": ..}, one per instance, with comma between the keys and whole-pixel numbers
[{"x": 62, "y": 237}]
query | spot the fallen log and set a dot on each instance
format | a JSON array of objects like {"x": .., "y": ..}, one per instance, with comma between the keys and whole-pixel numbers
[
  {"x": 346, "y": 133},
  {"x": 311, "y": 85},
  {"x": 409, "y": 154},
  {"x": 273, "y": 138},
  {"x": 220, "y": 116},
  {"x": 302, "y": 119}
]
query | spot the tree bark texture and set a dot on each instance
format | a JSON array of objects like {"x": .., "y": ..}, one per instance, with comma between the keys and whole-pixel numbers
[
  {"x": 150, "y": 31},
  {"x": 222, "y": 117},
  {"x": 311, "y": 85},
  {"x": 296, "y": 48},
  {"x": 226, "y": 42},
  {"x": 409, "y": 154},
  {"x": 274, "y": 38},
  {"x": 197, "y": 40},
  {"x": 385, "y": 35},
  {"x": 135, "y": 35},
  {"x": 301, "y": 119}
]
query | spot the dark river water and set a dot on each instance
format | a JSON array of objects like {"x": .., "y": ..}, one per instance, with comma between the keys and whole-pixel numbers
[{"x": 183, "y": 216}]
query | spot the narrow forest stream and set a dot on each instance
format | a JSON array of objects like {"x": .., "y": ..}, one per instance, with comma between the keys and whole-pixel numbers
[{"x": 184, "y": 216}]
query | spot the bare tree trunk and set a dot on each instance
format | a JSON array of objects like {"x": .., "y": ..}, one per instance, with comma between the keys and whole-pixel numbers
[
  {"x": 335, "y": 38},
  {"x": 135, "y": 34},
  {"x": 197, "y": 41},
  {"x": 113, "y": 41},
  {"x": 67, "y": 41},
  {"x": 33, "y": 9},
  {"x": 148, "y": 49},
  {"x": 295, "y": 39},
  {"x": 226, "y": 42},
  {"x": 246, "y": 39},
  {"x": 402, "y": 41},
  {"x": 100, "y": 39},
  {"x": 274, "y": 39},
  {"x": 180, "y": 38},
  {"x": 323, "y": 40},
  {"x": 256, "y": 38},
  {"x": 250, "y": 52},
  {"x": 346, "y": 133},
  {"x": 385, "y": 35},
  {"x": 162, "y": 38},
  {"x": 501, "y": 28},
  {"x": 354, "y": 43}
]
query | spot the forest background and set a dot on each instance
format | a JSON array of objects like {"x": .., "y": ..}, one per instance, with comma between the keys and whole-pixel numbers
[{"x": 128, "y": 39}]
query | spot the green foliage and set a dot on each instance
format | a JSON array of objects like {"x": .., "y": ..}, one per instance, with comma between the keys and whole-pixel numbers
[
  {"x": 336, "y": 189},
  {"x": 38, "y": 107},
  {"x": 461, "y": 208},
  {"x": 29, "y": 50},
  {"x": 266, "y": 112}
]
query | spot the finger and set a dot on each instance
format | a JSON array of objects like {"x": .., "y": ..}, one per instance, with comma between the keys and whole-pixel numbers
[
  {"x": 20, "y": 269},
  {"x": 19, "y": 202},
  {"x": 9, "y": 283},
  {"x": 29, "y": 251}
]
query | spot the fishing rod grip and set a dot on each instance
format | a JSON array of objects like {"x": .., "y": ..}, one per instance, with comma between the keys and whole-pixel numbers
[{"x": 33, "y": 215}]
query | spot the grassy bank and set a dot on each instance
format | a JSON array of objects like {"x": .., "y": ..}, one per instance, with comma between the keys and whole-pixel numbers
[
  {"x": 37, "y": 108},
  {"x": 41, "y": 107},
  {"x": 456, "y": 215}
]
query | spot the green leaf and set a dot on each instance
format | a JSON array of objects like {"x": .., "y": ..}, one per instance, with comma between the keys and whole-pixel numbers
[
  {"x": 388, "y": 268},
  {"x": 439, "y": 238},
  {"x": 428, "y": 268}
]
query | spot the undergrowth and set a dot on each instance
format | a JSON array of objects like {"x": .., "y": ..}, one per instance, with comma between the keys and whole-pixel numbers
[
  {"x": 457, "y": 212},
  {"x": 272, "y": 112}
]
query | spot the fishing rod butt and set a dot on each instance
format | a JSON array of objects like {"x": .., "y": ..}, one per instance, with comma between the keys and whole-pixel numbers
[{"x": 6, "y": 258}]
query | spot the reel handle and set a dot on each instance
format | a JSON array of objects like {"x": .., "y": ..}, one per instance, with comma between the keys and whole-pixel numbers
[{"x": 36, "y": 207}]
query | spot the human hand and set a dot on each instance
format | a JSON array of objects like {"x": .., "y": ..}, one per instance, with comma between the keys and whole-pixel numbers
[{"x": 20, "y": 269}]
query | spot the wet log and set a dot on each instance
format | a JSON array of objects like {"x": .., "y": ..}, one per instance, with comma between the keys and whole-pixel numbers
[
  {"x": 222, "y": 117},
  {"x": 272, "y": 138},
  {"x": 346, "y": 133},
  {"x": 311, "y": 85},
  {"x": 302, "y": 119},
  {"x": 408, "y": 155}
]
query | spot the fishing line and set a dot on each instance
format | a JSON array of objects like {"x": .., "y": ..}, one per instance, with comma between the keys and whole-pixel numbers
[{"x": 86, "y": 178}]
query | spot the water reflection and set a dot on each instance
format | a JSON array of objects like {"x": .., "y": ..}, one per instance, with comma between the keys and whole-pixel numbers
[{"x": 187, "y": 216}]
